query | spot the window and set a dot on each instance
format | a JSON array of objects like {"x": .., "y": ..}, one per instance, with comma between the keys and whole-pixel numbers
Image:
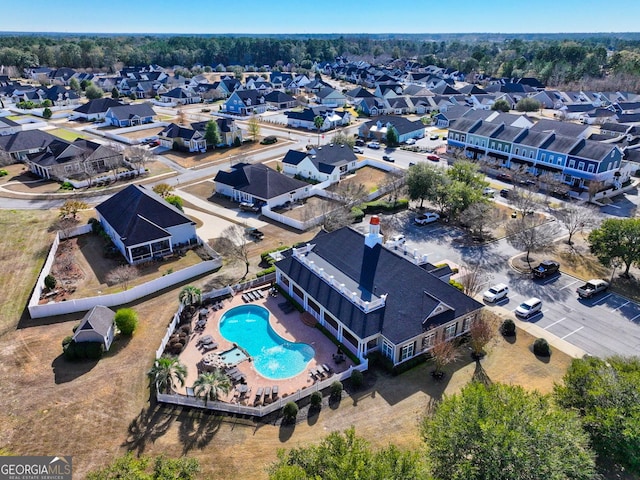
[
  {"x": 531, "y": 154},
  {"x": 406, "y": 352},
  {"x": 590, "y": 168},
  {"x": 450, "y": 331},
  {"x": 428, "y": 341},
  {"x": 387, "y": 350},
  {"x": 517, "y": 151},
  {"x": 543, "y": 157},
  {"x": 493, "y": 144},
  {"x": 466, "y": 324},
  {"x": 581, "y": 166},
  {"x": 572, "y": 163}
]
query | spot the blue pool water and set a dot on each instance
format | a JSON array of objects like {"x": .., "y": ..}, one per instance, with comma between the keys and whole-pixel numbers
[{"x": 273, "y": 357}]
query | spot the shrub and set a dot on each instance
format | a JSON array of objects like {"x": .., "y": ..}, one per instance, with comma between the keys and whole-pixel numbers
[
  {"x": 541, "y": 348},
  {"x": 290, "y": 411},
  {"x": 266, "y": 271},
  {"x": 50, "y": 282},
  {"x": 336, "y": 388},
  {"x": 357, "y": 379},
  {"x": 126, "y": 320},
  {"x": 357, "y": 214},
  {"x": 46, "y": 113},
  {"x": 66, "y": 341},
  {"x": 3, "y": 173},
  {"x": 66, "y": 186},
  {"x": 316, "y": 399},
  {"x": 382, "y": 206},
  {"x": 508, "y": 328},
  {"x": 264, "y": 256},
  {"x": 458, "y": 285},
  {"x": 237, "y": 142},
  {"x": 82, "y": 350}
]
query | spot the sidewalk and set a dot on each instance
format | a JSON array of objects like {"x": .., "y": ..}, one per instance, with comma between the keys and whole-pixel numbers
[{"x": 537, "y": 332}]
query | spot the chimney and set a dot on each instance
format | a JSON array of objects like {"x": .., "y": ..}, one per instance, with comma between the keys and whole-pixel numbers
[{"x": 373, "y": 237}]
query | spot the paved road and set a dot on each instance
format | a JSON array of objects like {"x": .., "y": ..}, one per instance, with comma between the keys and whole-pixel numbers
[{"x": 603, "y": 326}]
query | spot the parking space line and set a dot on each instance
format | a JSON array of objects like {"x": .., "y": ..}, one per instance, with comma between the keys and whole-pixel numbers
[
  {"x": 558, "y": 321},
  {"x": 618, "y": 308},
  {"x": 637, "y": 316},
  {"x": 552, "y": 279},
  {"x": 603, "y": 299},
  {"x": 571, "y": 333},
  {"x": 572, "y": 283}
]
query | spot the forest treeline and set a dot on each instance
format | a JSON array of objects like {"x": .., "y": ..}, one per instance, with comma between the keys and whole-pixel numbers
[{"x": 552, "y": 61}]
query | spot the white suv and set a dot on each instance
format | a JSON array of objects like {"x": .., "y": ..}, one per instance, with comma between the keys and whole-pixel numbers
[
  {"x": 496, "y": 293},
  {"x": 374, "y": 145},
  {"x": 529, "y": 307},
  {"x": 426, "y": 218}
]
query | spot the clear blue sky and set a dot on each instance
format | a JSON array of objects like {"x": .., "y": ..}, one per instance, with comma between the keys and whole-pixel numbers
[{"x": 322, "y": 16}]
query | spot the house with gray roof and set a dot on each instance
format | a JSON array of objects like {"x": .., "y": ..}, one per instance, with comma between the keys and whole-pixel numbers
[
  {"x": 8, "y": 126},
  {"x": 306, "y": 118},
  {"x": 230, "y": 133},
  {"x": 181, "y": 96},
  {"x": 245, "y": 102},
  {"x": 23, "y": 142},
  {"x": 143, "y": 225},
  {"x": 331, "y": 97},
  {"x": 130, "y": 115},
  {"x": 404, "y": 128},
  {"x": 177, "y": 137},
  {"x": 95, "y": 109},
  {"x": 328, "y": 162},
  {"x": 373, "y": 298},
  {"x": 98, "y": 326},
  {"x": 259, "y": 184},
  {"x": 280, "y": 100}
]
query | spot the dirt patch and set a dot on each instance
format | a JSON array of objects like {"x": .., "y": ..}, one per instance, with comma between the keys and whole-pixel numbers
[
  {"x": 372, "y": 178},
  {"x": 308, "y": 208},
  {"x": 147, "y": 132}
]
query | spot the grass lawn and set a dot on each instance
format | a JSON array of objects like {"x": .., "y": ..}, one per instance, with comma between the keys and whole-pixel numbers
[
  {"x": 372, "y": 178},
  {"x": 68, "y": 135}
]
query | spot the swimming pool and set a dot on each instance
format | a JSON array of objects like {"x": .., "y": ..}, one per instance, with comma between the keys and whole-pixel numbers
[{"x": 273, "y": 357}]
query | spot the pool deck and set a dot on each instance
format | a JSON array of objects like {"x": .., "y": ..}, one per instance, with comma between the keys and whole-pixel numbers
[{"x": 288, "y": 326}]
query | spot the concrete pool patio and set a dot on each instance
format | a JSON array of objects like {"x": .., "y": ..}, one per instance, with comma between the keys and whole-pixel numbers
[{"x": 288, "y": 325}]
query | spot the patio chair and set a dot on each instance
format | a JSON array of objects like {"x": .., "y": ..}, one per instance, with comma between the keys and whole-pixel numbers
[
  {"x": 259, "y": 293},
  {"x": 327, "y": 369},
  {"x": 207, "y": 347},
  {"x": 274, "y": 391},
  {"x": 204, "y": 339},
  {"x": 313, "y": 376},
  {"x": 254, "y": 295},
  {"x": 245, "y": 298},
  {"x": 319, "y": 373},
  {"x": 258, "y": 396}
]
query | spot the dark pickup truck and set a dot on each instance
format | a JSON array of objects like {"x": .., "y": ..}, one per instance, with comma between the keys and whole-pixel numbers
[
  {"x": 546, "y": 269},
  {"x": 254, "y": 233}
]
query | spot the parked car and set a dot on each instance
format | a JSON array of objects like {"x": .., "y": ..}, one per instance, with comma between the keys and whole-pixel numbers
[
  {"x": 411, "y": 141},
  {"x": 592, "y": 287},
  {"x": 374, "y": 145},
  {"x": 388, "y": 158},
  {"x": 254, "y": 233},
  {"x": 359, "y": 143},
  {"x": 357, "y": 149},
  {"x": 504, "y": 177},
  {"x": 396, "y": 241},
  {"x": 426, "y": 218},
  {"x": 433, "y": 158},
  {"x": 529, "y": 307},
  {"x": 546, "y": 268},
  {"x": 505, "y": 192},
  {"x": 496, "y": 293},
  {"x": 488, "y": 192},
  {"x": 434, "y": 137},
  {"x": 249, "y": 207},
  {"x": 271, "y": 139}
]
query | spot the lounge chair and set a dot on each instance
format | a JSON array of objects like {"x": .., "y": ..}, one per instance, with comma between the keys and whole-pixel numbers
[
  {"x": 267, "y": 391},
  {"x": 274, "y": 391},
  {"x": 319, "y": 372},
  {"x": 232, "y": 371},
  {"x": 204, "y": 339},
  {"x": 258, "y": 396},
  {"x": 327, "y": 369},
  {"x": 313, "y": 376},
  {"x": 259, "y": 293},
  {"x": 207, "y": 347},
  {"x": 245, "y": 298}
]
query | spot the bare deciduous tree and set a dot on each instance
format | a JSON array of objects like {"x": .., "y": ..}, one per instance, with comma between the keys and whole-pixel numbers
[
  {"x": 138, "y": 156},
  {"x": 233, "y": 244},
  {"x": 6, "y": 158},
  {"x": 477, "y": 216},
  {"x": 481, "y": 331},
  {"x": 576, "y": 219},
  {"x": 525, "y": 234},
  {"x": 122, "y": 275},
  {"x": 473, "y": 279},
  {"x": 443, "y": 353},
  {"x": 524, "y": 200}
]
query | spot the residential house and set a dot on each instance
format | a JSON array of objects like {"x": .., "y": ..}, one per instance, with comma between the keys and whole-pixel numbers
[
  {"x": 230, "y": 133},
  {"x": 98, "y": 325},
  {"x": 25, "y": 142},
  {"x": 9, "y": 127},
  {"x": 404, "y": 128},
  {"x": 61, "y": 160},
  {"x": 130, "y": 115},
  {"x": 372, "y": 106},
  {"x": 306, "y": 118},
  {"x": 328, "y": 162},
  {"x": 181, "y": 96},
  {"x": 259, "y": 184},
  {"x": 245, "y": 102},
  {"x": 280, "y": 100},
  {"x": 60, "y": 96},
  {"x": 330, "y": 97},
  {"x": 144, "y": 226},
  {"x": 94, "y": 109},
  {"x": 372, "y": 298},
  {"x": 176, "y": 137}
]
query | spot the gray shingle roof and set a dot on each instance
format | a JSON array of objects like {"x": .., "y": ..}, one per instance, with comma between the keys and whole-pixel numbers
[
  {"x": 125, "y": 112},
  {"x": 99, "y": 105},
  {"x": 99, "y": 319},
  {"x": 413, "y": 292},
  {"x": 139, "y": 215},
  {"x": 258, "y": 180}
]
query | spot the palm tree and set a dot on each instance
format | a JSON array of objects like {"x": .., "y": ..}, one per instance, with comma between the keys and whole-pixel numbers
[
  {"x": 209, "y": 385},
  {"x": 164, "y": 374},
  {"x": 190, "y": 295},
  {"x": 318, "y": 121}
]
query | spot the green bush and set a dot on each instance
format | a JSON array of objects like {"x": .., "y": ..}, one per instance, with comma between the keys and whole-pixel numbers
[
  {"x": 508, "y": 328},
  {"x": 82, "y": 350},
  {"x": 66, "y": 186},
  {"x": 50, "y": 282},
  {"x": 264, "y": 256},
  {"x": 66, "y": 341},
  {"x": 541, "y": 348},
  {"x": 316, "y": 399},
  {"x": 266, "y": 271},
  {"x": 126, "y": 320},
  {"x": 357, "y": 379},
  {"x": 357, "y": 214},
  {"x": 336, "y": 388},
  {"x": 3, "y": 173},
  {"x": 383, "y": 206},
  {"x": 290, "y": 411},
  {"x": 458, "y": 285},
  {"x": 237, "y": 142}
]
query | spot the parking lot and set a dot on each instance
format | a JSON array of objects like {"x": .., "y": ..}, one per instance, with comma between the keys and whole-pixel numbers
[{"x": 605, "y": 325}]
